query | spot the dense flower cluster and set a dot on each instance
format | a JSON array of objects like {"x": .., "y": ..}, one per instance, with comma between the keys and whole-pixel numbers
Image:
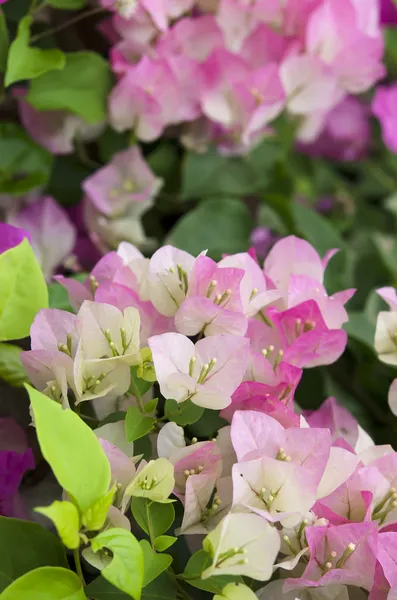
[
  {"x": 253, "y": 331},
  {"x": 305, "y": 495}
]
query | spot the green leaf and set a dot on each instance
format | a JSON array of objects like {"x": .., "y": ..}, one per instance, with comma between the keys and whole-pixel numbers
[
  {"x": 81, "y": 87},
  {"x": 142, "y": 384},
  {"x": 183, "y": 413},
  {"x": 94, "y": 518},
  {"x": 11, "y": 369},
  {"x": 387, "y": 249},
  {"x": 151, "y": 405},
  {"x": 40, "y": 548},
  {"x": 72, "y": 450},
  {"x": 58, "y": 297},
  {"x": 126, "y": 569},
  {"x": 23, "y": 291},
  {"x": 101, "y": 589},
  {"x": 24, "y": 165},
  {"x": 360, "y": 328},
  {"x": 66, "y": 519},
  {"x": 46, "y": 583},
  {"x": 222, "y": 226},
  {"x": 163, "y": 542},
  {"x": 145, "y": 370},
  {"x": 196, "y": 565},
  {"x": 4, "y": 42},
  {"x": 154, "y": 563},
  {"x": 25, "y": 62},
  {"x": 210, "y": 174},
  {"x": 154, "y": 518},
  {"x": 136, "y": 424},
  {"x": 67, "y": 4}
]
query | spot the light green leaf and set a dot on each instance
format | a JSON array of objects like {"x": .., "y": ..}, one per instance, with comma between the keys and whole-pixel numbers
[
  {"x": 67, "y": 4},
  {"x": 163, "y": 542},
  {"x": 11, "y": 369},
  {"x": 182, "y": 413},
  {"x": 23, "y": 291},
  {"x": 197, "y": 563},
  {"x": 155, "y": 481},
  {"x": 40, "y": 548},
  {"x": 4, "y": 41},
  {"x": 154, "y": 563},
  {"x": 223, "y": 226},
  {"x": 25, "y": 62},
  {"x": 66, "y": 519},
  {"x": 82, "y": 87},
  {"x": 45, "y": 583},
  {"x": 126, "y": 569},
  {"x": 72, "y": 450},
  {"x": 154, "y": 518},
  {"x": 95, "y": 517},
  {"x": 136, "y": 424},
  {"x": 24, "y": 165},
  {"x": 236, "y": 591}
]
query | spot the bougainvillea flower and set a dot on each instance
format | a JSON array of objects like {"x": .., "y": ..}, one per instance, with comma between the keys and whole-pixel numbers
[
  {"x": 389, "y": 295},
  {"x": 242, "y": 544},
  {"x": 104, "y": 270},
  {"x": 55, "y": 130},
  {"x": 138, "y": 265},
  {"x": 336, "y": 418},
  {"x": 201, "y": 459},
  {"x": 339, "y": 554},
  {"x": 15, "y": 459},
  {"x": 386, "y": 337},
  {"x": 168, "y": 278},
  {"x": 213, "y": 301},
  {"x": 384, "y": 108},
  {"x": 51, "y": 372},
  {"x": 207, "y": 373},
  {"x": 11, "y": 236},
  {"x": 52, "y": 233},
  {"x": 125, "y": 180}
]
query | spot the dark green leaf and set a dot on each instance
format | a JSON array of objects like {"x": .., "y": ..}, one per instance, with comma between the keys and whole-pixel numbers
[
  {"x": 184, "y": 413},
  {"x": 40, "y": 548},
  {"x": 154, "y": 563},
  {"x": 58, "y": 297},
  {"x": 211, "y": 174},
  {"x": 23, "y": 164},
  {"x": 25, "y": 62},
  {"x": 111, "y": 142},
  {"x": 81, "y": 87},
  {"x": 11, "y": 369},
  {"x": 66, "y": 179},
  {"x": 67, "y": 4},
  {"x": 136, "y": 424},
  {"x": 4, "y": 41},
  {"x": 387, "y": 248},
  {"x": 160, "y": 589},
  {"x": 359, "y": 328},
  {"x": 221, "y": 226},
  {"x": 196, "y": 565},
  {"x": 152, "y": 517}
]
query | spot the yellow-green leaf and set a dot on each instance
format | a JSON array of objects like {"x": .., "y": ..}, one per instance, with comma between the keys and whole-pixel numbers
[{"x": 65, "y": 517}]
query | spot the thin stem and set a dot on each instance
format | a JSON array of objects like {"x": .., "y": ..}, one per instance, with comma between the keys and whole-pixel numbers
[
  {"x": 62, "y": 26},
  {"x": 149, "y": 525},
  {"x": 137, "y": 394},
  {"x": 76, "y": 556}
]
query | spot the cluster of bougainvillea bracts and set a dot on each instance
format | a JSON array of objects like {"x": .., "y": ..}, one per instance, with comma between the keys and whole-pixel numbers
[
  {"x": 231, "y": 67},
  {"x": 221, "y": 71},
  {"x": 220, "y": 334}
]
